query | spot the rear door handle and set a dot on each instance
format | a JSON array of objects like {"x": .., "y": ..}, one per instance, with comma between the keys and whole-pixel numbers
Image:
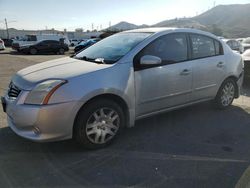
[
  {"x": 185, "y": 72},
  {"x": 220, "y": 64}
]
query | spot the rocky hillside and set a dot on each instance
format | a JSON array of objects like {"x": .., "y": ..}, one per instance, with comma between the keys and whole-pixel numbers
[{"x": 227, "y": 20}]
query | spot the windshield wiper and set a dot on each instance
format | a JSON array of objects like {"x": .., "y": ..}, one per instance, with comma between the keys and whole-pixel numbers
[
  {"x": 96, "y": 60},
  {"x": 100, "y": 60}
]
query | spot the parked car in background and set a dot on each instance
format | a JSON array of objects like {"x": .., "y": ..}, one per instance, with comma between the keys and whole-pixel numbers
[
  {"x": 84, "y": 44},
  {"x": 246, "y": 43},
  {"x": 123, "y": 78},
  {"x": 234, "y": 45},
  {"x": 74, "y": 42},
  {"x": 32, "y": 39},
  {"x": 45, "y": 46},
  {"x": 240, "y": 39},
  {"x": 2, "y": 46},
  {"x": 246, "y": 58}
]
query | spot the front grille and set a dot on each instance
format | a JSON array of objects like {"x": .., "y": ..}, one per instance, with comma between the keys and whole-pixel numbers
[{"x": 13, "y": 91}]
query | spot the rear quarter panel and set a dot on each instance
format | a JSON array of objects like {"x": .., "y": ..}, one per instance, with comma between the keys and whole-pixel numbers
[{"x": 234, "y": 63}]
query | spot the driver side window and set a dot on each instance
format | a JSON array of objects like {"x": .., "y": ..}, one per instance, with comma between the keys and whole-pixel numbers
[{"x": 171, "y": 48}]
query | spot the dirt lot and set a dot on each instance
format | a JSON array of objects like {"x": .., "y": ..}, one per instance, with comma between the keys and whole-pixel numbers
[{"x": 193, "y": 147}]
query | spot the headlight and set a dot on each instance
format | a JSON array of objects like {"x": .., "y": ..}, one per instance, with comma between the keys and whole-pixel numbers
[{"x": 42, "y": 92}]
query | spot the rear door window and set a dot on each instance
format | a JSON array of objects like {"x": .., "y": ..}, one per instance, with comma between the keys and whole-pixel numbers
[{"x": 202, "y": 46}]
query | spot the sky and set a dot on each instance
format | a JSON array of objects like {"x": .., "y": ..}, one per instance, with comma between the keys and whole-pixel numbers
[{"x": 72, "y": 14}]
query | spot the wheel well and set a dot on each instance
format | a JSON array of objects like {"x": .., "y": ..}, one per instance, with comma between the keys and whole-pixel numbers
[
  {"x": 237, "y": 94},
  {"x": 112, "y": 97}
]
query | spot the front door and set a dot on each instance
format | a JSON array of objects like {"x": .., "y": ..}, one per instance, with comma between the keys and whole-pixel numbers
[{"x": 168, "y": 84}]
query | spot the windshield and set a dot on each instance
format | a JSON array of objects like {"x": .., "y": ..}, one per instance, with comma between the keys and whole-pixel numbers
[{"x": 111, "y": 49}]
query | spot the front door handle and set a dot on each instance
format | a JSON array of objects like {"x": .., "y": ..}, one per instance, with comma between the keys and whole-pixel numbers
[
  {"x": 220, "y": 64},
  {"x": 185, "y": 72}
]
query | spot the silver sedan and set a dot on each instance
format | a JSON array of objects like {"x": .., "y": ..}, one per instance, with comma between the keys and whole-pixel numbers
[{"x": 123, "y": 78}]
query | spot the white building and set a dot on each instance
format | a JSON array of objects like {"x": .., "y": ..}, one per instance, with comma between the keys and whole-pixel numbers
[{"x": 78, "y": 34}]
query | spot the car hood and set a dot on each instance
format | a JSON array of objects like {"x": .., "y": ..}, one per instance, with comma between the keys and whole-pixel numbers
[{"x": 63, "y": 68}]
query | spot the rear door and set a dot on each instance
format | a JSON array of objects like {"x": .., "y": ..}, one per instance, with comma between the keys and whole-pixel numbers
[
  {"x": 208, "y": 66},
  {"x": 168, "y": 84}
]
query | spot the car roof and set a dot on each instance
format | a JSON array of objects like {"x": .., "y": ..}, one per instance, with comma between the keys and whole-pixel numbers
[{"x": 169, "y": 29}]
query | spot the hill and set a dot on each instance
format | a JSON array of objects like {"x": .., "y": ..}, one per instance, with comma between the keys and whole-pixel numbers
[
  {"x": 121, "y": 26},
  {"x": 183, "y": 22},
  {"x": 234, "y": 20},
  {"x": 231, "y": 21}
]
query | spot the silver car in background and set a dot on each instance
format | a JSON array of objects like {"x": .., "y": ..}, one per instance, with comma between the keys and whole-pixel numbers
[
  {"x": 234, "y": 45},
  {"x": 123, "y": 78},
  {"x": 246, "y": 43}
]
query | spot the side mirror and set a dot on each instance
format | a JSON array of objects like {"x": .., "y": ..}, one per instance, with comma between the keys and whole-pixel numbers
[{"x": 150, "y": 60}]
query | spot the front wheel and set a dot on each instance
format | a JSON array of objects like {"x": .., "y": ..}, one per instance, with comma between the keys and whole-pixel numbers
[
  {"x": 98, "y": 123},
  {"x": 226, "y": 94}
]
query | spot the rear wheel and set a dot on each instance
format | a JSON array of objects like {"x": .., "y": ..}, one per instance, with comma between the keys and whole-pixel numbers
[
  {"x": 33, "y": 51},
  {"x": 226, "y": 94},
  {"x": 98, "y": 123}
]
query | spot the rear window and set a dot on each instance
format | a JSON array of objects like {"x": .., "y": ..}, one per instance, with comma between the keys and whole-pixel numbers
[
  {"x": 218, "y": 47},
  {"x": 203, "y": 46},
  {"x": 31, "y": 38}
]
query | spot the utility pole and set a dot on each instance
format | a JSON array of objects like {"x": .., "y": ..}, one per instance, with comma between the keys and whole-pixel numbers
[{"x": 7, "y": 29}]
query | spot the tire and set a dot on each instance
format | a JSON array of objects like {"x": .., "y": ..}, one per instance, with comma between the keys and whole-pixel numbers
[
  {"x": 61, "y": 51},
  {"x": 226, "y": 94},
  {"x": 98, "y": 123},
  {"x": 33, "y": 51}
]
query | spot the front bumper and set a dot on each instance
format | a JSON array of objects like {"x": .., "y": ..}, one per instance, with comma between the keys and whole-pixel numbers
[{"x": 41, "y": 123}]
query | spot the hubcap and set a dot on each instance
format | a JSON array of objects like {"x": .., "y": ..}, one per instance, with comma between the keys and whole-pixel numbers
[
  {"x": 227, "y": 94},
  {"x": 102, "y": 125}
]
